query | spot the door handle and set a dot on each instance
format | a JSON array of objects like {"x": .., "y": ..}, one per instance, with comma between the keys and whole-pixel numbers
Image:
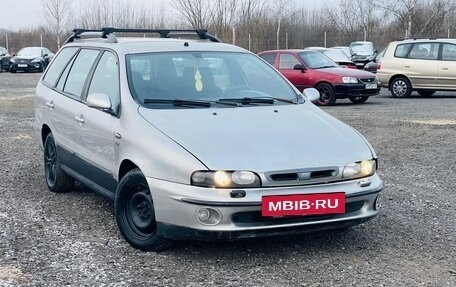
[
  {"x": 50, "y": 104},
  {"x": 79, "y": 119},
  {"x": 445, "y": 69},
  {"x": 406, "y": 66}
]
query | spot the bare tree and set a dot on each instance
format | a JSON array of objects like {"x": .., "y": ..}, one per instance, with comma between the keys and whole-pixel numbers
[
  {"x": 58, "y": 16},
  {"x": 195, "y": 12}
]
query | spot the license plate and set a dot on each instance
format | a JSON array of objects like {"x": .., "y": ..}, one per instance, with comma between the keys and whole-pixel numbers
[
  {"x": 303, "y": 204},
  {"x": 371, "y": 86},
  {"x": 22, "y": 65}
]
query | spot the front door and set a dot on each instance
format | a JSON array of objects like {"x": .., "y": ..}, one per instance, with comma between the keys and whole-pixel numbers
[{"x": 286, "y": 65}]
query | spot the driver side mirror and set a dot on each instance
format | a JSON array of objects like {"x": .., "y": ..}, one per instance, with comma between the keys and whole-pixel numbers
[
  {"x": 299, "y": 67},
  {"x": 99, "y": 101}
]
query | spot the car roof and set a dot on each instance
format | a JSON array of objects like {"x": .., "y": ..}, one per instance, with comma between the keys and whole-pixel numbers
[
  {"x": 437, "y": 40},
  {"x": 133, "y": 45},
  {"x": 289, "y": 50}
]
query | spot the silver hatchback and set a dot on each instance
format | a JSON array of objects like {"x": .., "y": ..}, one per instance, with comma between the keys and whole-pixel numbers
[{"x": 196, "y": 139}]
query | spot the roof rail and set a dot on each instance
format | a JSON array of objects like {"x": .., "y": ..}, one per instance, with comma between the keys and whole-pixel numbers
[
  {"x": 419, "y": 38},
  {"x": 108, "y": 33}
]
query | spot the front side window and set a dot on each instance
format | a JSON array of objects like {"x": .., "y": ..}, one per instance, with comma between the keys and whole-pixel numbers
[
  {"x": 203, "y": 76},
  {"x": 105, "y": 79},
  {"x": 79, "y": 71},
  {"x": 59, "y": 64},
  {"x": 288, "y": 61},
  {"x": 449, "y": 52}
]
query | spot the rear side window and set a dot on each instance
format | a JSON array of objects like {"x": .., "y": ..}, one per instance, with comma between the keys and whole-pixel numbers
[
  {"x": 402, "y": 50},
  {"x": 79, "y": 72},
  {"x": 59, "y": 64},
  {"x": 270, "y": 58},
  {"x": 425, "y": 51}
]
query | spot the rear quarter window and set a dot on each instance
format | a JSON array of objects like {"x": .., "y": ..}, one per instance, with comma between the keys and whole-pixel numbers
[
  {"x": 402, "y": 50},
  {"x": 59, "y": 64}
]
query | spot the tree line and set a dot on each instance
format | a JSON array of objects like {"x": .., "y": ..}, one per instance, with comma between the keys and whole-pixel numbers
[{"x": 253, "y": 24}]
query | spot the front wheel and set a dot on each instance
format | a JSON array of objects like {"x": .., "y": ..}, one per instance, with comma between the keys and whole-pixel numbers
[
  {"x": 358, "y": 100},
  {"x": 56, "y": 179},
  {"x": 327, "y": 94},
  {"x": 401, "y": 88},
  {"x": 135, "y": 213}
]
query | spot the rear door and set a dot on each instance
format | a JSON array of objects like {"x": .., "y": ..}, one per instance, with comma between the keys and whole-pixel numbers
[
  {"x": 298, "y": 78},
  {"x": 447, "y": 67},
  {"x": 421, "y": 65}
]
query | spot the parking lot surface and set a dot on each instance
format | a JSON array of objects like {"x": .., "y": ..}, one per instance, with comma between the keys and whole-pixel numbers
[{"x": 72, "y": 239}]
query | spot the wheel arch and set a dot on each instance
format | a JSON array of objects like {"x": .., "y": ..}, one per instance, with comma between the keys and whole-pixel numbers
[
  {"x": 125, "y": 166},
  {"x": 398, "y": 76},
  {"x": 324, "y": 82},
  {"x": 45, "y": 130}
]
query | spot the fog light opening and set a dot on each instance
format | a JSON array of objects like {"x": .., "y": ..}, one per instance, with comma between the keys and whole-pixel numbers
[
  {"x": 377, "y": 203},
  {"x": 208, "y": 216}
]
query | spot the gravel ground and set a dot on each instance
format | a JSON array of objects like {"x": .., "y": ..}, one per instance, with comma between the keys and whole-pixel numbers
[{"x": 72, "y": 239}]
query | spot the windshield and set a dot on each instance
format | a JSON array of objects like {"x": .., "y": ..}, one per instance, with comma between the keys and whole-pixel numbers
[
  {"x": 336, "y": 55},
  {"x": 30, "y": 51},
  {"x": 181, "y": 78},
  {"x": 365, "y": 47},
  {"x": 316, "y": 60}
]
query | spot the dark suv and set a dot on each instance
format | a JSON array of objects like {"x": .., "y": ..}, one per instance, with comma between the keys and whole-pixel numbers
[
  {"x": 5, "y": 59},
  {"x": 363, "y": 53}
]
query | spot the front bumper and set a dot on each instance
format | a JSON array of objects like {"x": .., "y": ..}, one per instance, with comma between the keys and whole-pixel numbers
[
  {"x": 176, "y": 206},
  {"x": 26, "y": 66},
  {"x": 358, "y": 90}
]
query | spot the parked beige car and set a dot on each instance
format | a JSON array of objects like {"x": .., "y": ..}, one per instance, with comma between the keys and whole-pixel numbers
[{"x": 422, "y": 65}]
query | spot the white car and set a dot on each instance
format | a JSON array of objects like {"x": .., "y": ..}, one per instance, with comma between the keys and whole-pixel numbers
[{"x": 193, "y": 138}]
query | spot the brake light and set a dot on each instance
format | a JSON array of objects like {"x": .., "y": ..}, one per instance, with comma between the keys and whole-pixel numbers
[{"x": 379, "y": 65}]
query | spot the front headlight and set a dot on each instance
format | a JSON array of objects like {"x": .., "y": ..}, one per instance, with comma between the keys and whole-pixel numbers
[
  {"x": 36, "y": 60},
  {"x": 226, "y": 179},
  {"x": 12, "y": 60},
  {"x": 359, "y": 169},
  {"x": 349, "y": 80}
]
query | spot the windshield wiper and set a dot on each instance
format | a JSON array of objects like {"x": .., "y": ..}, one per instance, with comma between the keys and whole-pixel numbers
[
  {"x": 323, "y": 67},
  {"x": 178, "y": 102},
  {"x": 262, "y": 100}
]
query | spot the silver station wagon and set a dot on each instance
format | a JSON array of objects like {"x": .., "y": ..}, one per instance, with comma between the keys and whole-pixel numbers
[{"x": 197, "y": 139}]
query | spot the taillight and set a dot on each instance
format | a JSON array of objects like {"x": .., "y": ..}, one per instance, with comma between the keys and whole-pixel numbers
[{"x": 379, "y": 65}]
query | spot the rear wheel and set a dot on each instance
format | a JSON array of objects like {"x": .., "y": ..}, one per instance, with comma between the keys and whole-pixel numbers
[
  {"x": 327, "y": 94},
  {"x": 12, "y": 71},
  {"x": 401, "y": 87},
  {"x": 135, "y": 213},
  {"x": 358, "y": 100},
  {"x": 56, "y": 179},
  {"x": 426, "y": 93}
]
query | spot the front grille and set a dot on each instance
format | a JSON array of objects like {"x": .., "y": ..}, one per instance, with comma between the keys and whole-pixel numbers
[
  {"x": 368, "y": 80},
  {"x": 303, "y": 176},
  {"x": 254, "y": 217}
]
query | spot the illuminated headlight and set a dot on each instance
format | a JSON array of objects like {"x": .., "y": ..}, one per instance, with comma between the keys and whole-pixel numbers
[
  {"x": 225, "y": 179},
  {"x": 359, "y": 169},
  {"x": 349, "y": 80}
]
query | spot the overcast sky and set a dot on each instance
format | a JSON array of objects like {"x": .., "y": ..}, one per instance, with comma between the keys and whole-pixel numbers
[{"x": 19, "y": 14}]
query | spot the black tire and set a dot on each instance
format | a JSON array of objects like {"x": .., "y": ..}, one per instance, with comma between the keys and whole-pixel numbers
[
  {"x": 401, "y": 87},
  {"x": 327, "y": 94},
  {"x": 426, "y": 93},
  {"x": 12, "y": 71},
  {"x": 56, "y": 179},
  {"x": 41, "y": 68},
  {"x": 358, "y": 100},
  {"x": 135, "y": 214}
]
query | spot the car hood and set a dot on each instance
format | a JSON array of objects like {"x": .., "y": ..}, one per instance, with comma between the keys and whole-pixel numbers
[
  {"x": 347, "y": 72},
  {"x": 262, "y": 138},
  {"x": 29, "y": 58}
]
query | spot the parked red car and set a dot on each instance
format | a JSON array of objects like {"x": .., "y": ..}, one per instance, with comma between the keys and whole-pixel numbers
[{"x": 312, "y": 69}]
